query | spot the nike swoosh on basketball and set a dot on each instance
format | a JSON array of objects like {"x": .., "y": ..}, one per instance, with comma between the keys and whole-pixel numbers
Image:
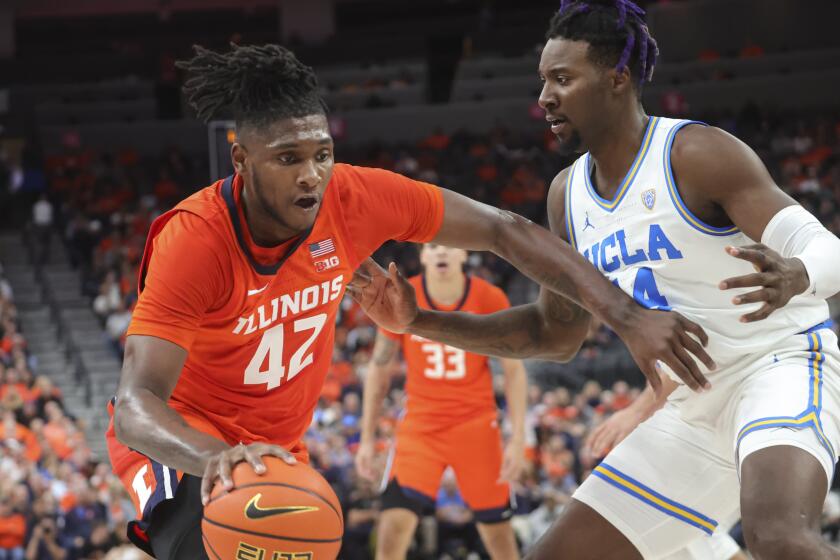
[
  {"x": 254, "y": 511},
  {"x": 258, "y": 290}
]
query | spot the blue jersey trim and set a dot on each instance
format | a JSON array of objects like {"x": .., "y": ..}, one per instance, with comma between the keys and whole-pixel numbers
[
  {"x": 674, "y": 193},
  {"x": 611, "y": 205},
  {"x": 827, "y": 324},
  {"x": 570, "y": 223},
  {"x": 810, "y": 417},
  {"x": 654, "y": 499}
]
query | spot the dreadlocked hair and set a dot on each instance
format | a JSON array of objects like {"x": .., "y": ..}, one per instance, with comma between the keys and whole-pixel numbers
[
  {"x": 255, "y": 85},
  {"x": 615, "y": 30}
]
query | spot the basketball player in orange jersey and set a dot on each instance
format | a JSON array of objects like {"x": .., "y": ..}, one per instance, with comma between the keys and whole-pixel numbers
[
  {"x": 450, "y": 417},
  {"x": 240, "y": 284}
]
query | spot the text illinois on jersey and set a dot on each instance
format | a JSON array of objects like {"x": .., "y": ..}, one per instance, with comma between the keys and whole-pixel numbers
[{"x": 289, "y": 305}]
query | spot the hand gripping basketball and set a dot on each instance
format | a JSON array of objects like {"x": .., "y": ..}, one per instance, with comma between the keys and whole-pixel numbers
[
  {"x": 219, "y": 466},
  {"x": 286, "y": 512}
]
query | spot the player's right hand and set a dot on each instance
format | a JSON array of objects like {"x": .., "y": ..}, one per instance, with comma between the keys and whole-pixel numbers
[
  {"x": 654, "y": 336},
  {"x": 386, "y": 296},
  {"x": 219, "y": 466},
  {"x": 365, "y": 459}
]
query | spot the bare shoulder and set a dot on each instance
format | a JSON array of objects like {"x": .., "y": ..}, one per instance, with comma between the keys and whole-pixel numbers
[
  {"x": 556, "y": 203},
  {"x": 712, "y": 161},
  {"x": 696, "y": 143}
]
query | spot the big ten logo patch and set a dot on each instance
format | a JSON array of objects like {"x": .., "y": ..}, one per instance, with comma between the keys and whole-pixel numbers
[
  {"x": 326, "y": 264},
  {"x": 246, "y": 551}
]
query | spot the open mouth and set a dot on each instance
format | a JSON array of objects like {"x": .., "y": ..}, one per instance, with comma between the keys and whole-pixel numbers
[
  {"x": 442, "y": 266},
  {"x": 556, "y": 123},
  {"x": 307, "y": 202}
]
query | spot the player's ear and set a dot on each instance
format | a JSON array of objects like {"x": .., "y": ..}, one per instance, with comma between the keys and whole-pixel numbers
[
  {"x": 238, "y": 154},
  {"x": 620, "y": 80}
]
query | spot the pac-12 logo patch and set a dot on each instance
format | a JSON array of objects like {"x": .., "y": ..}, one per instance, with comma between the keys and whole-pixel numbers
[{"x": 649, "y": 198}]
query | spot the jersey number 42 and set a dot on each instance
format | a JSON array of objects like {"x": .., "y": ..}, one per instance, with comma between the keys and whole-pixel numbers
[{"x": 271, "y": 347}]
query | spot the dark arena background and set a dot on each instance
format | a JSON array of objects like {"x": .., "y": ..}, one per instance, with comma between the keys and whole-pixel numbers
[{"x": 96, "y": 140}]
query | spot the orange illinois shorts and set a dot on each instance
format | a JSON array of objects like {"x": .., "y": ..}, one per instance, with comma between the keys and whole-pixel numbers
[{"x": 474, "y": 451}]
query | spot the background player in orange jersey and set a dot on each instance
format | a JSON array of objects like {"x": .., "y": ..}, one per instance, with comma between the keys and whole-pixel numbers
[
  {"x": 450, "y": 417},
  {"x": 240, "y": 284}
]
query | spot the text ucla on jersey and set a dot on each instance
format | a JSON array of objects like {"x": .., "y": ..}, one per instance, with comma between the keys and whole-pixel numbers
[{"x": 651, "y": 246}]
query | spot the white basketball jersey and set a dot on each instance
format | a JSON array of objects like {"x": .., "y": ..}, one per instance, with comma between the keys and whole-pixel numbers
[{"x": 649, "y": 244}]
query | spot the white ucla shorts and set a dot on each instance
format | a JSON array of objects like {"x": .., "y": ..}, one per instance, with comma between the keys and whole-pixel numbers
[
  {"x": 718, "y": 546},
  {"x": 672, "y": 479}
]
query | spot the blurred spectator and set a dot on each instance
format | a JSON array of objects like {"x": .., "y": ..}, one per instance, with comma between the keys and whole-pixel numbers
[
  {"x": 84, "y": 520},
  {"x": 751, "y": 50},
  {"x": 109, "y": 298},
  {"x": 457, "y": 534},
  {"x": 43, "y": 542},
  {"x": 116, "y": 326},
  {"x": 66, "y": 507},
  {"x": 42, "y": 224},
  {"x": 361, "y": 509},
  {"x": 15, "y": 435},
  {"x": 12, "y": 532},
  {"x": 544, "y": 516}
]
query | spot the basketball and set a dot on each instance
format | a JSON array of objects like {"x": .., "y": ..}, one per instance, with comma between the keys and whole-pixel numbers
[{"x": 288, "y": 513}]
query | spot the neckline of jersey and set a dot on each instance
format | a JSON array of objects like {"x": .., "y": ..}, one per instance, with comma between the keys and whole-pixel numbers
[
  {"x": 624, "y": 187},
  {"x": 227, "y": 193},
  {"x": 457, "y": 307}
]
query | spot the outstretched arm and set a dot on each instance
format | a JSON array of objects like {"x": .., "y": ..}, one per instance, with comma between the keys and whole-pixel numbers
[
  {"x": 650, "y": 336},
  {"x": 553, "y": 327}
]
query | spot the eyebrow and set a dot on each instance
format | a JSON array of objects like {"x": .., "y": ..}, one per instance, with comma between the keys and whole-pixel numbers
[
  {"x": 555, "y": 68},
  {"x": 289, "y": 145}
]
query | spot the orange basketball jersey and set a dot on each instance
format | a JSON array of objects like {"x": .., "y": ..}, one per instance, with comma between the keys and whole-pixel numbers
[
  {"x": 446, "y": 384},
  {"x": 259, "y": 323}
]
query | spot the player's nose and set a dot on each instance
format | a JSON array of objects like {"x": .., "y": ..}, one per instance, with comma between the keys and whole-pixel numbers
[
  {"x": 308, "y": 177},
  {"x": 547, "y": 99}
]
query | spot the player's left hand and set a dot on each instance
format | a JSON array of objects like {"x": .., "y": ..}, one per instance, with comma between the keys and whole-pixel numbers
[
  {"x": 513, "y": 461},
  {"x": 779, "y": 278}
]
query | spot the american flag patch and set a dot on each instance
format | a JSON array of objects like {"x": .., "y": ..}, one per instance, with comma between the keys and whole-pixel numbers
[{"x": 321, "y": 248}]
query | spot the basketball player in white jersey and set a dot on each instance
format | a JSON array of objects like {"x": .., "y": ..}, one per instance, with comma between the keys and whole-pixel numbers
[{"x": 672, "y": 212}]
